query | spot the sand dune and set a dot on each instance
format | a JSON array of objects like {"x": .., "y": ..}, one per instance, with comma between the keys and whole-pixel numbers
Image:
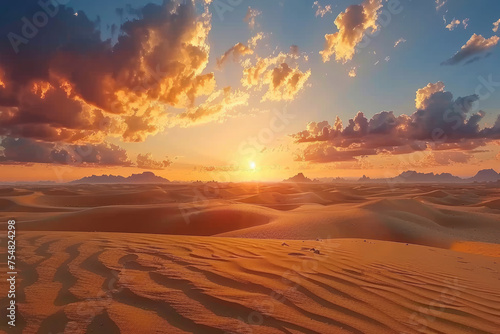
[
  {"x": 13, "y": 205},
  {"x": 129, "y": 283},
  {"x": 302, "y": 198},
  {"x": 494, "y": 204},
  {"x": 256, "y": 258},
  {"x": 431, "y": 215},
  {"x": 164, "y": 219}
]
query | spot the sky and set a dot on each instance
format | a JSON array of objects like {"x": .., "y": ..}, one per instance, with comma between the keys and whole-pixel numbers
[{"x": 247, "y": 90}]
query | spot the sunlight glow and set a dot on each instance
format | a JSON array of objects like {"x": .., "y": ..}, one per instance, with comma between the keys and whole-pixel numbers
[{"x": 252, "y": 165}]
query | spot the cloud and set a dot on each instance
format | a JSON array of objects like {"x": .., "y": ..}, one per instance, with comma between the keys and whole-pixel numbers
[
  {"x": 217, "y": 107},
  {"x": 239, "y": 50},
  {"x": 230, "y": 168},
  {"x": 283, "y": 82},
  {"x": 352, "y": 72},
  {"x": 437, "y": 158},
  {"x": 352, "y": 25},
  {"x": 253, "y": 74},
  {"x": 251, "y": 16},
  {"x": 82, "y": 88},
  {"x": 474, "y": 59},
  {"x": 496, "y": 25},
  {"x": 399, "y": 41},
  {"x": 455, "y": 23},
  {"x": 236, "y": 52},
  {"x": 146, "y": 161},
  {"x": 440, "y": 123},
  {"x": 323, "y": 153},
  {"x": 252, "y": 42},
  {"x": 477, "y": 44},
  {"x": 449, "y": 158},
  {"x": 465, "y": 23},
  {"x": 321, "y": 10},
  {"x": 440, "y": 3},
  {"x": 424, "y": 95},
  {"x": 25, "y": 151}
]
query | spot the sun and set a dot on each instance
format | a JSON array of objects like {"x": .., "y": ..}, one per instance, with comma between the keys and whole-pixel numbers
[{"x": 253, "y": 165}]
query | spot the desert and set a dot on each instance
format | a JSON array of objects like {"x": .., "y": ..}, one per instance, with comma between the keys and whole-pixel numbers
[
  {"x": 249, "y": 167},
  {"x": 256, "y": 258}
]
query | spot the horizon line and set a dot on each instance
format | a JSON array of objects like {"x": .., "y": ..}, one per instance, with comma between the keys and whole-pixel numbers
[{"x": 317, "y": 180}]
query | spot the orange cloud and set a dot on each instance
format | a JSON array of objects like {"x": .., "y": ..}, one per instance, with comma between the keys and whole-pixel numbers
[
  {"x": 84, "y": 92},
  {"x": 283, "y": 82},
  {"x": 453, "y": 24},
  {"x": 146, "y": 161},
  {"x": 2, "y": 83},
  {"x": 352, "y": 72},
  {"x": 217, "y": 107},
  {"x": 236, "y": 52},
  {"x": 252, "y": 75},
  {"x": 239, "y": 50},
  {"x": 252, "y": 42},
  {"x": 352, "y": 25},
  {"x": 399, "y": 41},
  {"x": 423, "y": 94},
  {"x": 251, "y": 16}
]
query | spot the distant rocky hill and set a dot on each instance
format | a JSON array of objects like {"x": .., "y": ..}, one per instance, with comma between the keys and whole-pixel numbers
[
  {"x": 146, "y": 177},
  {"x": 298, "y": 179},
  {"x": 486, "y": 175},
  {"x": 365, "y": 179},
  {"x": 415, "y": 177},
  {"x": 483, "y": 176}
]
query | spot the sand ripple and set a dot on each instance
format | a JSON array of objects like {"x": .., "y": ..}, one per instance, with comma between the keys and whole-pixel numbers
[{"x": 132, "y": 283}]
